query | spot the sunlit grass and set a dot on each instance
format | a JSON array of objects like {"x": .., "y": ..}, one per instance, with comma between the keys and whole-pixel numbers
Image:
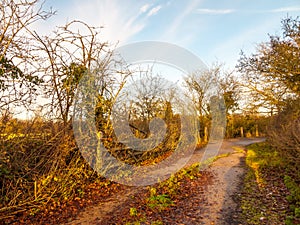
[
  {"x": 259, "y": 156},
  {"x": 267, "y": 171}
]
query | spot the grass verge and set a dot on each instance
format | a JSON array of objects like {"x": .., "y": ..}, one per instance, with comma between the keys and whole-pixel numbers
[{"x": 270, "y": 195}]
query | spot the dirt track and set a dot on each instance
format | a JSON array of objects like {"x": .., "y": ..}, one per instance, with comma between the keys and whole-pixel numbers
[{"x": 220, "y": 207}]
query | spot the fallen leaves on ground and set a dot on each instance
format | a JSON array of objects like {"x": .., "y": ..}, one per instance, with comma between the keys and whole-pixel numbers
[
  {"x": 189, "y": 203},
  {"x": 59, "y": 213}
]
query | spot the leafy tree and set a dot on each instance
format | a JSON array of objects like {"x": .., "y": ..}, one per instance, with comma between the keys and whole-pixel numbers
[
  {"x": 8, "y": 70},
  {"x": 272, "y": 74}
]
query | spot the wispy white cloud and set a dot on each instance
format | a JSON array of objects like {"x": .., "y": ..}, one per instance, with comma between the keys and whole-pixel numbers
[
  {"x": 177, "y": 23},
  {"x": 208, "y": 11},
  {"x": 285, "y": 9},
  {"x": 120, "y": 21},
  {"x": 145, "y": 8},
  {"x": 154, "y": 10},
  {"x": 276, "y": 10},
  {"x": 215, "y": 11}
]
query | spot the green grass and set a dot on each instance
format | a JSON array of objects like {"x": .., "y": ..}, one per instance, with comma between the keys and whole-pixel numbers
[
  {"x": 159, "y": 202},
  {"x": 268, "y": 172}
]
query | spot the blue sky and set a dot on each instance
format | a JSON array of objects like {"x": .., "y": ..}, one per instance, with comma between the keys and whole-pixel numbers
[{"x": 214, "y": 30}]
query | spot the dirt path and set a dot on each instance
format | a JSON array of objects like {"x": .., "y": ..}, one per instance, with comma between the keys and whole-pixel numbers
[
  {"x": 99, "y": 213},
  {"x": 220, "y": 207},
  {"x": 228, "y": 173}
]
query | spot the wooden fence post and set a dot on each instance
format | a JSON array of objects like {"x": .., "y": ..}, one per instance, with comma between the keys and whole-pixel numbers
[
  {"x": 205, "y": 134},
  {"x": 256, "y": 131}
]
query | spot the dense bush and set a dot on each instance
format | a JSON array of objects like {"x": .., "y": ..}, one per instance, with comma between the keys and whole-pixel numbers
[
  {"x": 284, "y": 136},
  {"x": 36, "y": 168}
]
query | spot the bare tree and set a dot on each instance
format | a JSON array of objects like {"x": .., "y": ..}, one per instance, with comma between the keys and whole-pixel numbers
[
  {"x": 146, "y": 97},
  {"x": 203, "y": 85},
  {"x": 199, "y": 85},
  {"x": 211, "y": 91},
  {"x": 149, "y": 95},
  {"x": 18, "y": 79},
  {"x": 73, "y": 51},
  {"x": 230, "y": 89}
]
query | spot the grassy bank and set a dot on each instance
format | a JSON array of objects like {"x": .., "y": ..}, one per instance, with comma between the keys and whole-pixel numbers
[{"x": 270, "y": 195}]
